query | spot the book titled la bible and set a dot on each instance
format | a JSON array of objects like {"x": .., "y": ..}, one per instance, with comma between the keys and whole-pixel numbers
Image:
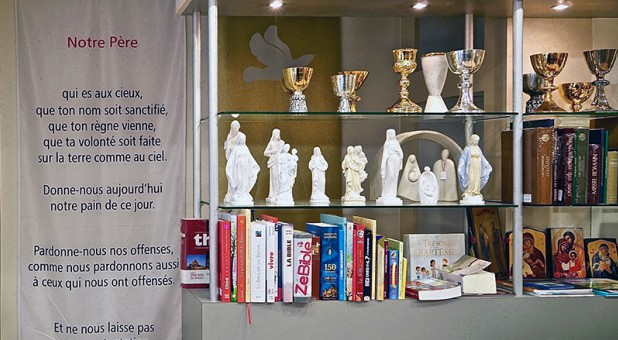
[{"x": 194, "y": 271}]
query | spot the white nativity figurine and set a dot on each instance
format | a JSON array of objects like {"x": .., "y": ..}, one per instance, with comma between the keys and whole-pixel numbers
[
  {"x": 273, "y": 151},
  {"x": 408, "y": 186},
  {"x": 228, "y": 145},
  {"x": 353, "y": 167},
  {"x": 444, "y": 169},
  {"x": 473, "y": 171},
  {"x": 241, "y": 171},
  {"x": 288, "y": 168},
  {"x": 428, "y": 187},
  {"x": 318, "y": 167},
  {"x": 392, "y": 162}
]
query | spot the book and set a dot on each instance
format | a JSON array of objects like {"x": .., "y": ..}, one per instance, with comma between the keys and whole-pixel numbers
[
  {"x": 278, "y": 264},
  {"x": 241, "y": 246},
  {"x": 379, "y": 280},
  {"x": 349, "y": 261},
  {"x": 386, "y": 268},
  {"x": 194, "y": 245},
  {"x": 537, "y": 165},
  {"x": 594, "y": 171},
  {"x": 272, "y": 260},
  {"x": 286, "y": 232},
  {"x": 404, "y": 276},
  {"x": 602, "y": 287},
  {"x": 580, "y": 178},
  {"x": 427, "y": 253},
  {"x": 372, "y": 225},
  {"x": 302, "y": 266},
  {"x": 225, "y": 261},
  {"x": 599, "y": 137},
  {"x": 468, "y": 272},
  {"x": 563, "y": 166},
  {"x": 534, "y": 254},
  {"x": 550, "y": 288},
  {"x": 548, "y": 285},
  {"x": 359, "y": 263},
  {"x": 233, "y": 218},
  {"x": 393, "y": 273},
  {"x": 566, "y": 246},
  {"x": 506, "y": 158},
  {"x": 315, "y": 267},
  {"x": 341, "y": 223},
  {"x": 601, "y": 257},
  {"x": 430, "y": 289},
  {"x": 611, "y": 193},
  {"x": 248, "y": 218},
  {"x": 399, "y": 247},
  {"x": 367, "y": 265},
  {"x": 489, "y": 245},
  {"x": 329, "y": 258},
  {"x": 258, "y": 261}
]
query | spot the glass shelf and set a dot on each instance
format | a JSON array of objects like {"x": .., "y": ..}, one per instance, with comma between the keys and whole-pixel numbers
[
  {"x": 361, "y": 116},
  {"x": 603, "y": 205},
  {"x": 581, "y": 115},
  {"x": 336, "y": 204}
]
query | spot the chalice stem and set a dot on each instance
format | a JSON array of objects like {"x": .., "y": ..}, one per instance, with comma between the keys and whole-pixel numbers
[
  {"x": 404, "y": 83},
  {"x": 600, "y": 99}
]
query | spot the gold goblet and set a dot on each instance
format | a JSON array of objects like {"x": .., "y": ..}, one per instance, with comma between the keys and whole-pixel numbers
[
  {"x": 548, "y": 66},
  {"x": 360, "y": 79},
  {"x": 295, "y": 81},
  {"x": 343, "y": 86},
  {"x": 404, "y": 64},
  {"x": 576, "y": 93}
]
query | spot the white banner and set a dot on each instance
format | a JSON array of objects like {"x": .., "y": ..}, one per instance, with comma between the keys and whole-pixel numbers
[{"x": 102, "y": 168}]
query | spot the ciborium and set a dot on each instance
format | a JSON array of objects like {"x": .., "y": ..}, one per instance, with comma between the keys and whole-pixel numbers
[
  {"x": 465, "y": 63},
  {"x": 533, "y": 86},
  {"x": 343, "y": 86},
  {"x": 548, "y": 66},
  {"x": 600, "y": 63},
  {"x": 404, "y": 63},
  {"x": 435, "y": 69},
  {"x": 576, "y": 93},
  {"x": 295, "y": 81},
  {"x": 360, "y": 79}
]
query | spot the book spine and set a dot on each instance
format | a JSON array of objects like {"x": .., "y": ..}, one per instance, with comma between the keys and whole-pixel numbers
[
  {"x": 603, "y": 172},
  {"x": 287, "y": 274},
  {"x": 315, "y": 267},
  {"x": 241, "y": 239},
  {"x": 412, "y": 293},
  {"x": 529, "y": 165},
  {"x": 225, "y": 266},
  {"x": 258, "y": 262},
  {"x": 194, "y": 271},
  {"x": 279, "y": 263},
  {"x": 329, "y": 261},
  {"x": 593, "y": 173},
  {"x": 611, "y": 195},
  {"x": 349, "y": 263},
  {"x": 506, "y": 140},
  {"x": 302, "y": 268},
  {"x": 367, "y": 265},
  {"x": 393, "y": 274},
  {"x": 580, "y": 179},
  {"x": 386, "y": 272},
  {"x": 557, "y": 169},
  {"x": 248, "y": 258},
  {"x": 359, "y": 246},
  {"x": 341, "y": 269},
  {"x": 271, "y": 267},
  {"x": 569, "y": 160},
  {"x": 544, "y": 155},
  {"x": 380, "y": 271},
  {"x": 404, "y": 276}
]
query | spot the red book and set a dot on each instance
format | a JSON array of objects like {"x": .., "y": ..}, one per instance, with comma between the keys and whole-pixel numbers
[
  {"x": 358, "y": 263},
  {"x": 194, "y": 271},
  {"x": 315, "y": 267},
  {"x": 225, "y": 263},
  {"x": 241, "y": 247}
]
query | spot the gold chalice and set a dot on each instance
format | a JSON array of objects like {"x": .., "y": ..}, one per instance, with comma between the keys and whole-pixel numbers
[
  {"x": 343, "y": 86},
  {"x": 404, "y": 63},
  {"x": 295, "y": 81},
  {"x": 548, "y": 66},
  {"x": 576, "y": 93},
  {"x": 360, "y": 79}
]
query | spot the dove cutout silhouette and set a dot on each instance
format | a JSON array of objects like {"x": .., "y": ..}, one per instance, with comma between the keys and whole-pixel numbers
[{"x": 274, "y": 54}]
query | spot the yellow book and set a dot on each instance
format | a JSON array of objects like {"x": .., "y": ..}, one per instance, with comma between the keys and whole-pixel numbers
[
  {"x": 380, "y": 270},
  {"x": 611, "y": 191},
  {"x": 373, "y": 226},
  {"x": 403, "y": 280}
]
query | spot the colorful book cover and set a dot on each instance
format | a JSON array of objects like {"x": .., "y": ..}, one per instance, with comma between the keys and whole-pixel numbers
[
  {"x": 349, "y": 261},
  {"x": 372, "y": 225},
  {"x": 399, "y": 246},
  {"x": 432, "y": 289},
  {"x": 601, "y": 257},
  {"x": 367, "y": 287},
  {"x": 194, "y": 271},
  {"x": 233, "y": 249},
  {"x": 258, "y": 262},
  {"x": 359, "y": 262},
  {"x": 341, "y": 223},
  {"x": 329, "y": 258},
  {"x": 580, "y": 179},
  {"x": 286, "y": 231},
  {"x": 548, "y": 285},
  {"x": 487, "y": 232},
  {"x": 225, "y": 265},
  {"x": 427, "y": 253},
  {"x": 302, "y": 266},
  {"x": 241, "y": 239},
  {"x": 379, "y": 280},
  {"x": 567, "y": 250},
  {"x": 393, "y": 274},
  {"x": 602, "y": 287},
  {"x": 534, "y": 254}
]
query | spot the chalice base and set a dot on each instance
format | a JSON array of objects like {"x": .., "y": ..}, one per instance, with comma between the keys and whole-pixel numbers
[
  {"x": 435, "y": 104},
  {"x": 404, "y": 105},
  {"x": 549, "y": 106},
  {"x": 298, "y": 103},
  {"x": 344, "y": 105},
  {"x": 533, "y": 103},
  {"x": 467, "y": 107}
]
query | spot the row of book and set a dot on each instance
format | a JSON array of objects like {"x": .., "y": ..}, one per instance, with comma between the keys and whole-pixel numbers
[
  {"x": 563, "y": 166},
  {"x": 564, "y": 253},
  {"x": 567, "y": 287},
  {"x": 266, "y": 260}
]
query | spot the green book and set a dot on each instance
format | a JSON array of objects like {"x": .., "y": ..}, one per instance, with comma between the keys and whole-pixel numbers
[{"x": 580, "y": 178}]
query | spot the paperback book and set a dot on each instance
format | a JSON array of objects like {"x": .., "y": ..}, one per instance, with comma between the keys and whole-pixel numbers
[
  {"x": 194, "y": 271},
  {"x": 429, "y": 289}
]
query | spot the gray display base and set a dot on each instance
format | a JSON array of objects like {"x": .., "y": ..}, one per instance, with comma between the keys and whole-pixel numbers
[{"x": 503, "y": 317}]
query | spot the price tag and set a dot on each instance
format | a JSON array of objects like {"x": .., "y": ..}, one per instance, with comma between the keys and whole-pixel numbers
[{"x": 443, "y": 175}]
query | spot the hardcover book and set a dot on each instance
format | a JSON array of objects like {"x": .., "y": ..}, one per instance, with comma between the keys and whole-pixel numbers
[
  {"x": 601, "y": 257},
  {"x": 225, "y": 263},
  {"x": 233, "y": 218},
  {"x": 241, "y": 246},
  {"x": 258, "y": 262},
  {"x": 594, "y": 171},
  {"x": 611, "y": 193},
  {"x": 393, "y": 274},
  {"x": 286, "y": 232},
  {"x": 341, "y": 223},
  {"x": 567, "y": 252},
  {"x": 564, "y": 158},
  {"x": 430, "y": 289},
  {"x": 537, "y": 165},
  {"x": 506, "y": 183},
  {"x": 372, "y": 225},
  {"x": 278, "y": 264},
  {"x": 489, "y": 245},
  {"x": 349, "y": 261},
  {"x": 379, "y": 280},
  {"x": 599, "y": 137},
  {"x": 534, "y": 254},
  {"x": 580, "y": 178},
  {"x": 329, "y": 258},
  {"x": 399, "y": 247},
  {"x": 302, "y": 266},
  {"x": 359, "y": 262},
  {"x": 367, "y": 262},
  {"x": 427, "y": 253},
  {"x": 272, "y": 258},
  {"x": 315, "y": 267},
  {"x": 194, "y": 271}
]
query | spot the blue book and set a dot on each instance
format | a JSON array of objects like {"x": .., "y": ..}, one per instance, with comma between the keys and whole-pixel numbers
[
  {"x": 341, "y": 223},
  {"x": 393, "y": 274},
  {"x": 330, "y": 262},
  {"x": 548, "y": 285}
]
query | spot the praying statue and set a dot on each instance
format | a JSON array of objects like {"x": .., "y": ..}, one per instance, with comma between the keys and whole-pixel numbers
[{"x": 473, "y": 171}]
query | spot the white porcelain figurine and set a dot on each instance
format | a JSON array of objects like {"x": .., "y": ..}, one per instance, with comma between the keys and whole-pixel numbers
[
  {"x": 288, "y": 168},
  {"x": 241, "y": 171},
  {"x": 273, "y": 151},
  {"x": 408, "y": 186},
  {"x": 318, "y": 167},
  {"x": 444, "y": 169},
  {"x": 473, "y": 171},
  {"x": 428, "y": 187},
  {"x": 228, "y": 145},
  {"x": 392, "y": 162},
  {"x": 353, "y": 167}
]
